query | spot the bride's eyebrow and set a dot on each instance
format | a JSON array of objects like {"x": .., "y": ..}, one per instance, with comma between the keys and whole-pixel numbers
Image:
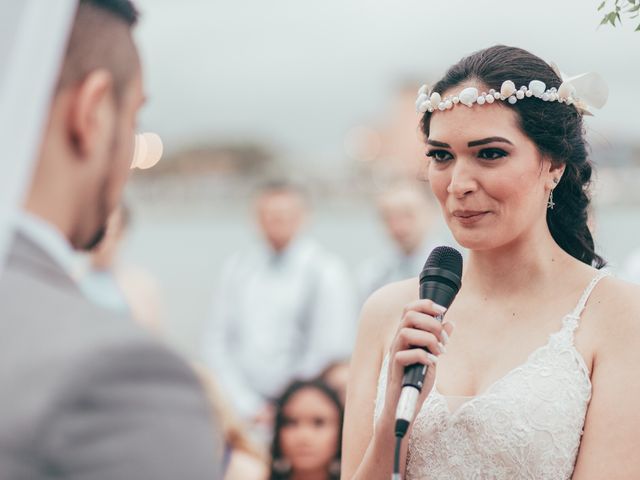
[
  {"x": 436, "y": 143},
  {"x": 473, "y": 143},
  {"x": 484, "y": 141}
]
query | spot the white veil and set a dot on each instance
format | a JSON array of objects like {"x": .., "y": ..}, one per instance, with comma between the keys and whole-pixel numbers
[{"x": 33, "y": 35}]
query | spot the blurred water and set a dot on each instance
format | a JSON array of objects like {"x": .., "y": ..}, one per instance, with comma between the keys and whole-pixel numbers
[{"x": 184, "y": 247}]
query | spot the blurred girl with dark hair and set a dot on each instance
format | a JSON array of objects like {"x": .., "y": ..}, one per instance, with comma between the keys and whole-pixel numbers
[{"x": 307, "y": 436}]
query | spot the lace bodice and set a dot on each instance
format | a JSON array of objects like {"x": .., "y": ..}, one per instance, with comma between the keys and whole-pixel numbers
[{"x": 526, "y": 425}]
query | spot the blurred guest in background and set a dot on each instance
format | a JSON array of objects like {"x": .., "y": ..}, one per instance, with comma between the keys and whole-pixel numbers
[
  {"x": 243, "y": 459},
  {"x": 121, "y": 287},
  {"x": 336, "y": 376},
  {"x": 282, "y": 310},
  {"x": 308, "y": 430},
  {"x": 86, "y": 394},
  {"x": 409, "y": 217},
  {"x": 631, "y": 267}
]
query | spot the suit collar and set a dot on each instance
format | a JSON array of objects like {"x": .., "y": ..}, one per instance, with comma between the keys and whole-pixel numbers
[
  {"x": 48, "y": 237},
  {"x": 30, "y": 257}
]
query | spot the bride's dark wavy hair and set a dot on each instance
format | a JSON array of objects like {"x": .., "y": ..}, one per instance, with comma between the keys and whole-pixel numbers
[{"x": 555, "y": 128}]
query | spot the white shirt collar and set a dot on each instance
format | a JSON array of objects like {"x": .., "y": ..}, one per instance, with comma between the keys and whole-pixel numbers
[
  {"x": 48, "y": 237},
  {"x": 297, "y": 245}
]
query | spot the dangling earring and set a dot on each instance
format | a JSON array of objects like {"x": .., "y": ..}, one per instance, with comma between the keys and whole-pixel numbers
[
  {"x": 281, "y": 465},
  {"x": 334, "y": 468},
  {"x": 550, "y": 203}
]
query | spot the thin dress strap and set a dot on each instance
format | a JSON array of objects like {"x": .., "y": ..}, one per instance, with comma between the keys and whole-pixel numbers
[{"x": 586, "y": 294}]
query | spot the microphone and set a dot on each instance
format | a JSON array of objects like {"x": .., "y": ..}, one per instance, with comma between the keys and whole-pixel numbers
[{"x": 440, "y": 282}]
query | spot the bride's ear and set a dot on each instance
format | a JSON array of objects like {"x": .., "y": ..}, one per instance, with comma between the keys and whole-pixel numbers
[{"x": 553, "y": 171}]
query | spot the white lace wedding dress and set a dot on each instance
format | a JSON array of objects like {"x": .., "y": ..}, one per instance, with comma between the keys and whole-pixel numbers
[{"x": 526, "y": 425}]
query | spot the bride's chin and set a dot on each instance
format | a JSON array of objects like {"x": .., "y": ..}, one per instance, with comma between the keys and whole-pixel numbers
[{"x": 474, "y": 241}]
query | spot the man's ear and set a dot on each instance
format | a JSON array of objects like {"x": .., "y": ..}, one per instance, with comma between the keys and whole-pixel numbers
[{"x": 92, "y": 100}]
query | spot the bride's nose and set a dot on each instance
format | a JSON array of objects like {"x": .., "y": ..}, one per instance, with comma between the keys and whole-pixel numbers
[{"x": 462, "y": 181}]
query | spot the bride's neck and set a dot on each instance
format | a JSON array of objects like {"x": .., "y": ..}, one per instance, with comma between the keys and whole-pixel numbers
[{"x": 514, "y": 267}]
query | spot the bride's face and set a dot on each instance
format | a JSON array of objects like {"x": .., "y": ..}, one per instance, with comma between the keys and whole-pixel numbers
[{"x": 491, "y": 181}]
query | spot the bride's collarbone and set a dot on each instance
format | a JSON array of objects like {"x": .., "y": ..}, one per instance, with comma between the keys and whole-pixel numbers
[{"x": 479, "y": 354}]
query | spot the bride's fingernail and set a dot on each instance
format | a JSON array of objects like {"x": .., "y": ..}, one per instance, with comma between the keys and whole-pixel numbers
[
  {"x": 445, "y": 337},
  {"x": 433, "y": 358},
  {"x": 439, "y": 308},
  {"x": 449, "y": 322},
  {"x": 442, "y": 348}
]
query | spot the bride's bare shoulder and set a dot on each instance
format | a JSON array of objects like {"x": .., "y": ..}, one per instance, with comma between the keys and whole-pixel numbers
[
  {"x": 616, "y": 304},
  {"x": 618, "y": 296},
  {"x": 383, "y": 309}
]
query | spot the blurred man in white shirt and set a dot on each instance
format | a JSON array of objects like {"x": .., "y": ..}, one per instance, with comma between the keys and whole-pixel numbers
[
  {"x": 283, "y": 310},
  {"x": 631, "y": 267}
]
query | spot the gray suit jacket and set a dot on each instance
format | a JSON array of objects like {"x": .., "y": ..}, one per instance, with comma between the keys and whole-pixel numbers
[{"x": 87, "y": 395}]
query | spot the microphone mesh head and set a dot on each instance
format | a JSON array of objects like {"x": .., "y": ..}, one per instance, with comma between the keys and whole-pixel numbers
[{"x": 447, "y": 258}]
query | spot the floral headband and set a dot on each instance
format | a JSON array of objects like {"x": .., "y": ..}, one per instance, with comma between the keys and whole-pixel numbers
[{"x": 582, "y": 91}]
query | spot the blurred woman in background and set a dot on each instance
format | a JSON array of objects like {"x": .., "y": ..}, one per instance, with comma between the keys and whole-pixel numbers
[{"x": 307, "y": 433}]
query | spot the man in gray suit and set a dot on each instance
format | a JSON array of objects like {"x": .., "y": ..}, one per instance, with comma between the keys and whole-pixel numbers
[{"x": 83, "y": 393}]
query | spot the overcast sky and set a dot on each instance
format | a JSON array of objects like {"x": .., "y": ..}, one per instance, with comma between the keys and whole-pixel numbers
[{"x": 297, "y": 74}]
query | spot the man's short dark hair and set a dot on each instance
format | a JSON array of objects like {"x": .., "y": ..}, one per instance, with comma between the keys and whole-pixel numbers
[
  {"x": 101, "y": 39},
  {"x": 281, "y": 185},
  {"x": 123, "y": 9}
]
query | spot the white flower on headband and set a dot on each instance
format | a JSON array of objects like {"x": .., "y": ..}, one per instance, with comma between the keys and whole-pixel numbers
[{"x": 582, "y": 91}]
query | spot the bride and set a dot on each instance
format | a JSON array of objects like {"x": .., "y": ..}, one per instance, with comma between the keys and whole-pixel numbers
[{"x": 534, "y": 372}]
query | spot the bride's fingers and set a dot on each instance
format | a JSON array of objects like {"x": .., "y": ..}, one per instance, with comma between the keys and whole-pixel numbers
[
  {"x": 405, "y": 358},
  {"x": 425, "y": 306},
  {"x": 421, "y": 321},
  {"x": 409, "y": 338}
]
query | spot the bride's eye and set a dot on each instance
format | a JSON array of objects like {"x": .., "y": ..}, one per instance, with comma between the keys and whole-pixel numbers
[
  {"x": 492, "y": 153},
  {"x": 439, "y": 156}
]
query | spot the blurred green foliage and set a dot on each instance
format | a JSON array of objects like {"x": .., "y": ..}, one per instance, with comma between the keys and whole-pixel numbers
[{"x": 614, "y": 10}]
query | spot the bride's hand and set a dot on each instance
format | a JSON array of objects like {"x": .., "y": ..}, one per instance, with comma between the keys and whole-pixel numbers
[{"x": 418, "y": 329}]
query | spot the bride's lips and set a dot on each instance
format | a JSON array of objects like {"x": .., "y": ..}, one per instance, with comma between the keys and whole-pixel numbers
[{"x": 469, "y": 217}]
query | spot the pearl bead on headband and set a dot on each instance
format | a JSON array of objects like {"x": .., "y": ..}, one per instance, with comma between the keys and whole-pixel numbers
[{"x": 581, "y": 91}]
